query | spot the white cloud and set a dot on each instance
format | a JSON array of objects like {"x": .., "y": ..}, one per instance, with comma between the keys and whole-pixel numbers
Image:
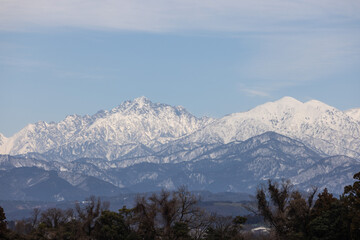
[
  {"x": 174, "y": 15},
  {"x": 297, "y": 59},
  {"x": 296, "y": 41},
  {"x": 254, "y": 93}
]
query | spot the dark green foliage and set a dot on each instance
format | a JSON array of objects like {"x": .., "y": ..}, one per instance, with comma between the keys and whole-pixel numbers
[
  {"x": 351, "y": 199},
  {"x": 279, "y": 208},
  {"x": 329, "y": 224},
  {"x": 3, "y": 229},
  {"x": 328, "y": 218},
  {"x": 110, "y": 226},
  {"x": 293, "y": 216},
  {"x": 181, "y": 231}
]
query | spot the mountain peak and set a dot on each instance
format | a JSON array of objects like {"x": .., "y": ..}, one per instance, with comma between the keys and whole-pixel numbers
[
  {"x": 136, "y": 104},
  {"x": 288, "y": 100},
  {"x": 141, "y": 100},
  {"x": 283, "y": 104},
  {"x": 2, "y": 139},
  {"x": 141, "y": 121},
  {"x": 316, "y": 103},
  {"x": 354, "y": 113}
]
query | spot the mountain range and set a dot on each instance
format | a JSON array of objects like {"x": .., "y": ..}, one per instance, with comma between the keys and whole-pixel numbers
[{"x": 143, "y": 146}]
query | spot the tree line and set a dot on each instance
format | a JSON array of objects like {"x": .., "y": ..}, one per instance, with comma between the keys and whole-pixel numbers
[
  {"x": 293, "y": 216},
  {"x": 165, "y": 215},
  {"x": 175, "y": 215}
]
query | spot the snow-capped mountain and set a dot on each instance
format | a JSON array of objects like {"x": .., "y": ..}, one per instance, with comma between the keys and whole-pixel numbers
[
  {"x": 106, "y": 134},
  {"x": 153, "y": 146},
  {"x": 354, "y": 113},
  {"x": 236, "y": 166},
  {"x": 136, "y": 129},
  {"x": 3, "y": 139},
  {"x": 318, "y": 125}
]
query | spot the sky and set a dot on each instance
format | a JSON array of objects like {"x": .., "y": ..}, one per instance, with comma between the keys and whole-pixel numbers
[{"x": 213, "y": 57}]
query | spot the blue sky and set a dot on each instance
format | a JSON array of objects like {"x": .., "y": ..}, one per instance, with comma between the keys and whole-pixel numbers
[{"x": 212, "y": 57}]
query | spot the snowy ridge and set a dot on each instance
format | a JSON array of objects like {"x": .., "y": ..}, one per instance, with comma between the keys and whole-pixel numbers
[
  {"x": 236, "y": 166},
  {"x": 134, "y": 122},
  {"x": 354, "y": 113},
  {"x": 147, "y": 146},
  {"x": 135, "y": 128},
  {"x": 316, "y": 124},
  {"x": 3, "y": 141}
]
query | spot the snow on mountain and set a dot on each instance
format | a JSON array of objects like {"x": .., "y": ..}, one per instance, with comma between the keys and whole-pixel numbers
[
  {"x": 155, "y": 145},
  {"x": 332, "y": 173},
  {"x": 141, "y": 121},
  {"x": 3, "y": 141},
  {"x": 318, "y": 125},
  {"x": 354, "y": 113},
  {"x": 42, "y": 136},
  {"x": 242, "y": 166},
  {"x": 135, "y": 128},
  {"x": 133, "y": 122},
  {"x": 235, "y": 166}
]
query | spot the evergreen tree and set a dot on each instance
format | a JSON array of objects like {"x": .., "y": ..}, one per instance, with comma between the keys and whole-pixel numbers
[
  {"x": 328, "y": 218},
  {"x": 287, "y": 212},
  {"x": 3, "y": 229},
  {"x": 111, "y": 226},
  {"x": 351, "y": 199}
]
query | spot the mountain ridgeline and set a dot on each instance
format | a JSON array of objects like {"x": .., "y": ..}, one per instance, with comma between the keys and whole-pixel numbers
[{"x": 144, "y": 146}]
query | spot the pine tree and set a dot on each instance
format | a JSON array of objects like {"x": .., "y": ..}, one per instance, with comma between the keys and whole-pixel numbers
[{"x": 3, "y": 229}]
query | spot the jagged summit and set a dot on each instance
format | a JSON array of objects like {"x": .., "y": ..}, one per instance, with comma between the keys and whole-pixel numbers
[
  {"x": 138, "y": 103},
  {"x": 128, "y": 145},
  {"x": 143, "y": 105},
  {"x": 2, "y": 139},
  {"x": 141, "y": 99},
  {"x": 141, "y": 123}
]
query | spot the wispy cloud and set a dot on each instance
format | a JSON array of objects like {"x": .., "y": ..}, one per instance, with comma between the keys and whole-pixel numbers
[
  {"x": 290, "y": 60},
  {"x": 255, "y": 93},
  {"x": 296, "y": 41},
  {"x": 174, "y": 15},
  {"x": 254, "y": 90}
]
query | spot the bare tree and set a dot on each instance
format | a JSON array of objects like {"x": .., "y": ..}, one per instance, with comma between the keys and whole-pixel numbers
[
  {"x": 90, "y": 212},
  {"x": 144, "y": 217},
  {"x": 167, "y": 215},
  {"x": 225, "y": 228},
  {"x": 53, "y": 217},
  {"x": 35, "y": 217}
]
